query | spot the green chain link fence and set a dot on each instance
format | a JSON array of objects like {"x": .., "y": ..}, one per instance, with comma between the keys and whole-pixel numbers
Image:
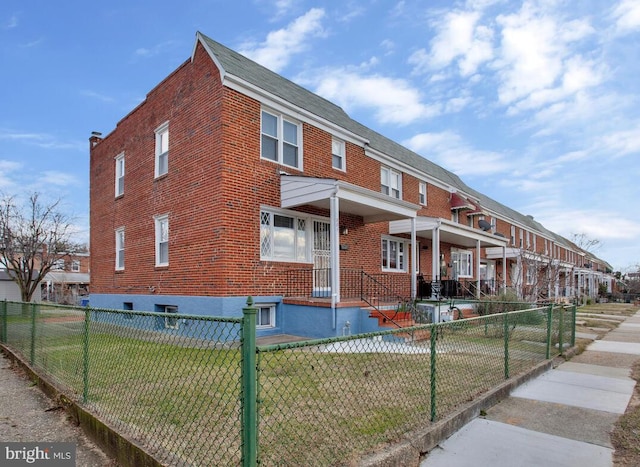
[{"x": 205, "y": 394}]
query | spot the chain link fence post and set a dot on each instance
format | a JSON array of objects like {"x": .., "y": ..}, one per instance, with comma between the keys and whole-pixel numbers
[
  {"x": 573, "y": 325},
  {"x": 3, "y": 336},
  {"x": 249, "y": 387},
  {"x": 32, "y": 353},
  {"x": 433, "y": 339},
  {"x": 549, "y": 326},
  {"x": 85, "y": 357},
  {"x": 506, "y": 344},
  {"x": 561, "y": 331}
]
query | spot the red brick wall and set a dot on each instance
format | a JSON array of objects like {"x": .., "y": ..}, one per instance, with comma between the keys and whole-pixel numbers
[{"x": 213, "y": 192}]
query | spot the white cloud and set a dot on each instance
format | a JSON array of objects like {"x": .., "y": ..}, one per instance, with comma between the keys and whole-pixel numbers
[
  {"x": 42, "y": 140},
  {"x": 96, "y": 95},
  {"x": 279, "y": 46},
  {"x": 451, "y": 151},
  {"x": 393, "y": 100},
  {"x": 622, "y": 143},
  {"x": 53, "y": 177},
  {"x": 627, "y": 16},
  {"x": 11, "y": 23},
  {"x": 537, "y": 64},
  {"x": 602, "y": 225},
  {"x": 145, "y": 52},
  {"x": 7, "y": 181},
  {"x": 460, "y": 39}
]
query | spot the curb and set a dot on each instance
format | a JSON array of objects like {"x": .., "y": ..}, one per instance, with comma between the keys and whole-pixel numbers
[{"x": 409, "y": 452}]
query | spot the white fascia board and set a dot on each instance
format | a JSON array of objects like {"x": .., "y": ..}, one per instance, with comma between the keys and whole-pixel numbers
[
  {"x": 281, "y": 105},
  {"x": 213, "y": 56}
]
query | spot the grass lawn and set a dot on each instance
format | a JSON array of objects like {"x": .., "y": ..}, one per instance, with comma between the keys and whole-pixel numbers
[{"x": 183, "y": 402}]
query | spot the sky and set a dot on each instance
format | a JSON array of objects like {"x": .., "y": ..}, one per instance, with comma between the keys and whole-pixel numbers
[{"x": 535, "y": 103}]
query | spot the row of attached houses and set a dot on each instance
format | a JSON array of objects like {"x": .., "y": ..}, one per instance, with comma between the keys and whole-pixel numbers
[{"x": 231, "y": 181}]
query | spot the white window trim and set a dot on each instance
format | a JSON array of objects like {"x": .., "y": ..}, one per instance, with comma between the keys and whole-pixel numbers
[
  {"x": 422, "y": 193},
  {"x": 120, "y": 248},
  {"x": 469, "y": 254},
  {"x": 308, "y": 218},
  {"x": 272, "y": 315},
  {"x": 120, "y": 172},
  {"x": 342, "y": 154},
  {"x": 75, "y": 265},
  {"x": 405, "y": 253},
  {"x": 158, "y": 222},
  {"x": 391, "y": 172},
  {"x": 159, "y": 131},
  {"x": 281, "y": 118}
]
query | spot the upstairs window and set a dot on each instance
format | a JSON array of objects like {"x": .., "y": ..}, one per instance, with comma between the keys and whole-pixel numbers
[
  {"x": 58, "y": 265},
  {"x": 120, "y": 249},
  {"x": 162, "y": 150},
  {"x": 513, "y": 235},
  {"x": 337, "y": 154},
  {"x": 281, "y": 140},
  {"x": 391, "y": 182},
  {"x": 422, "y": 193},
  {"x": 75, "y": 266},
  {"x": 162, "y": 240},
  {"x": 120, "y": 175}
]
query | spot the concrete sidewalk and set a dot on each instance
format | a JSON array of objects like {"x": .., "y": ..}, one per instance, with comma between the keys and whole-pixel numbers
[{"x": 562, "y": 418}]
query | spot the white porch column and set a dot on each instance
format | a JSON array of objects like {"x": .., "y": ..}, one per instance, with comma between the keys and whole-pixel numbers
[
  {"x": 435, "y": 257},
  {"x": 335, "y": 249},
  {"x": 504, "y": 269},
  {"x": 414, "y": 259},
  {"x": 478, "y": 269}
]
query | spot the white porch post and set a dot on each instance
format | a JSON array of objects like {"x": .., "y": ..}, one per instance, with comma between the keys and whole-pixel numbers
[
  {"x": 414, "y": 259},
  {"x": 335, "y": 249},
  {"x": 435, "y": 257},
  {"x": 504, "y": 269},
  {"x": 478, "y": 269}
]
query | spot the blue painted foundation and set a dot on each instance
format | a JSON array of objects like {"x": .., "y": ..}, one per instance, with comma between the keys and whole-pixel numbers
[{"x": 300, "y": 320}]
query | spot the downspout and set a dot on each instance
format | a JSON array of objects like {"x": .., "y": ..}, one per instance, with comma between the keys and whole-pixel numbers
[{"x": 335, "y": 255}]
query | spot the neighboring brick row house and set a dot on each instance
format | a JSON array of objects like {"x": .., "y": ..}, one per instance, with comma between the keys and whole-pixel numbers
[
  {"x": 230, "y": 181},
  {"x": 68, "y": 280}
]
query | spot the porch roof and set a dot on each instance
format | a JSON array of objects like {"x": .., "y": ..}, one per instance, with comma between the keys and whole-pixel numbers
[
  {"x": 371, "y": 205},
  {"x": 450, "y": 232}
]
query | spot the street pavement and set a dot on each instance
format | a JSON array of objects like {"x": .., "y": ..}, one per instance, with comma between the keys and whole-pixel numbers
[{"x": 562, "y": 418}]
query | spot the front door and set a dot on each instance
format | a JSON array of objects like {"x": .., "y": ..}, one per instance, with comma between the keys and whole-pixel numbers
[{"x": 321, "y": 259}]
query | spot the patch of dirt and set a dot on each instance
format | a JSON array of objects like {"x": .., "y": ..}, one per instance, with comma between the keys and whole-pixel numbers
[
  {"x": 27, "y": 415},
  {"x": 626, "y": 434}
]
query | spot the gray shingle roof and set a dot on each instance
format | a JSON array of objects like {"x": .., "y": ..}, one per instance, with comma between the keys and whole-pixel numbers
[{"x": 242, "y": 67}]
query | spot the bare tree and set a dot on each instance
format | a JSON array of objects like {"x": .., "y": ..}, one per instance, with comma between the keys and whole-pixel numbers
[
  {"x": 536, "y": 277},
  {"x": 586, "y": 243},
  {"x": 34, "y": 237}
]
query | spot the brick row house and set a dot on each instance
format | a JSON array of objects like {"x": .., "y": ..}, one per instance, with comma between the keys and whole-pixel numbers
[{"x": 231, "y": 181}]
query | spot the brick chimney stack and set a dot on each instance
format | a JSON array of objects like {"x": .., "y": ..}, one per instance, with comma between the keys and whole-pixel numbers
[{"x": 95, "y": 138}]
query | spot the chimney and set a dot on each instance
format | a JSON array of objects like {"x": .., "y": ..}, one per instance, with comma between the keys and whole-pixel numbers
[{"x": 95, "y": 138}]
